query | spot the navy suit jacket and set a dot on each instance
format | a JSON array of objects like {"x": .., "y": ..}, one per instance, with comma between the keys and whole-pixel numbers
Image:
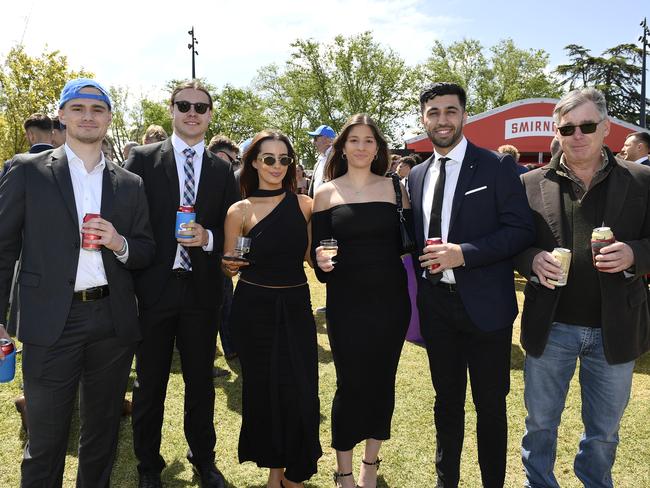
[{"x": 492, "y": 222}]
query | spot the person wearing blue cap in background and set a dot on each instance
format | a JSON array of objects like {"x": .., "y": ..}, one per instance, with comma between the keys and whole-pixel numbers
[
  {"x": 77, "y": 315},
  {"x": 323, "y": 137}
]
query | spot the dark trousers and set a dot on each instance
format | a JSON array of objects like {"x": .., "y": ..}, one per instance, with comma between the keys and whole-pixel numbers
[
  {"x": 227, "y": 343},
  {"x": 175, "y": 318},
  {"x": 454, "y": 346},
  {"x": 87, "y": 354}
]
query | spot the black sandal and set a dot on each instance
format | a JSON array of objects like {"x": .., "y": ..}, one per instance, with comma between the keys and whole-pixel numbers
[
  {"x": 340, "y": 475},
  {"x": 376, "y": 463}
]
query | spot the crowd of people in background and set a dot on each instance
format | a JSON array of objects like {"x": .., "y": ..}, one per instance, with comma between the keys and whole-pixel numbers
[{"x": 123, "y": 278}]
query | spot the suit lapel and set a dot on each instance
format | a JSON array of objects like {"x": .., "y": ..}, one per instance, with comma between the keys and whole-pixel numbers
[
  {"x": 551, "y": 199},
  {"x": 59, "y": 166},
  {"x": 168, "y": 161},
  {"x": 467, "y": 168},
  {"x": 109, "y": 188},
  {"x": 204, "y": 182},
  {"x": 619, "y": 180},
  {"x": 417, "y": 196}
]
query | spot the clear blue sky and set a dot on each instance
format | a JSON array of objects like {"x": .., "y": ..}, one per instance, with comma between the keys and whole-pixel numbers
[{"x": 144, "y": 44}]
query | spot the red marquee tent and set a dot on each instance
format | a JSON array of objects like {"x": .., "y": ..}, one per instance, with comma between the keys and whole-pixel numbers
[{"x": 527, "y": 125}]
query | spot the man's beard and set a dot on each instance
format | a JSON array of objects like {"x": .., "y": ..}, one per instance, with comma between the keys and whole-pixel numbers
[{"x": 456, "y": 136}]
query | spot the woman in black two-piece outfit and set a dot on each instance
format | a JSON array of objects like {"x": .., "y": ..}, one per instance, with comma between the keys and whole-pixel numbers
[{"x": 271, "y": 316}]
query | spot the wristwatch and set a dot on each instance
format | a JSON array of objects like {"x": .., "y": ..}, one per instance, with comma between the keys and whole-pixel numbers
[{"x": 122, "y": 250}]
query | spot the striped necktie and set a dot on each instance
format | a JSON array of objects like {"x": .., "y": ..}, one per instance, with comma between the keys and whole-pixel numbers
[{"x": 189, "y": 195}]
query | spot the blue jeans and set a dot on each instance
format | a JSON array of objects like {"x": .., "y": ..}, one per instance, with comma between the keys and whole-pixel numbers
[{"x": 605, "y": 390}]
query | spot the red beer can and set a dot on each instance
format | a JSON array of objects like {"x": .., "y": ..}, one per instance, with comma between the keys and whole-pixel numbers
[
  {"x": 88, "y": 242},
  {"x": 6, "y": 346},
  {"x": 430, "y": 242}
]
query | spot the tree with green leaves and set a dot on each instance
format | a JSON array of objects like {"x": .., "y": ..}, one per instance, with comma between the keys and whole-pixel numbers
[
  {"x": 505, "y": 75},
  {"x": 326, "y": 83},
  {"x": 617, "y": 73},
  {"x": 28, "y": 85}
]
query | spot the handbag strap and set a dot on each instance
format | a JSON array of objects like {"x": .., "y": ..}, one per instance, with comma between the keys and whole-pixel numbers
[{"x": 398, "y": 196}]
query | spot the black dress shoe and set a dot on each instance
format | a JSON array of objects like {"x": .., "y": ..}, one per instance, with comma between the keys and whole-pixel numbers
[
  {"x": 210, "y": 476},
  {"x": 149, "y": 480}
]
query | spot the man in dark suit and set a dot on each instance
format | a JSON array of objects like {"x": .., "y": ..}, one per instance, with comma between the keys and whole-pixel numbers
[
  {"x": 77, "y": 315},
  {"x": 180, "y": 294},
  {"x": 601, "y": 315},
  {"x": 637, "y": 147},
  {"x": 38, "y": 131},
  {"x": 472, "y": 199}
]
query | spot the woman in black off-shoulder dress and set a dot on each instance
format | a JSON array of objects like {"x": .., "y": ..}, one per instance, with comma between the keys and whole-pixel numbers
[
  {"x": 271, "y": 316},
  {"x": 368, "y": 306}
]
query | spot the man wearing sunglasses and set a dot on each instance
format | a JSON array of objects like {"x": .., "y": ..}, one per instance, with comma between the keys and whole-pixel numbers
[
  {"x": 179, "y": 296},
  {"x": 601, "y": 315}
]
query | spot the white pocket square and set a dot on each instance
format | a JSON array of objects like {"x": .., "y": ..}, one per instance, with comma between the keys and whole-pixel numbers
[{"x": 475, "y": 190}]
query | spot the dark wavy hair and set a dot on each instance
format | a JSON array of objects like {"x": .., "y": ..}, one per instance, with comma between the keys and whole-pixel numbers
[
  {"x": 337, "y": 165},
  {"x": 248, "y": 179}
]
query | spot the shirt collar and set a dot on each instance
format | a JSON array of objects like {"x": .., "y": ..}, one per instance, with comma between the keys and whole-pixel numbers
[
  {"x": 566, "y": 169},
  {"x": 456, "y": 154},
  {"x": 76, "y": 162},
  {"x": 641, "y": 159},
  {"x": 180, "y": 145}
]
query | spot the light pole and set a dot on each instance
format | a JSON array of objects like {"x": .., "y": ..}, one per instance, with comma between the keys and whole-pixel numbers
[
  {"x": 644, "y": 39},
  {"x": 194, "y": 51}
]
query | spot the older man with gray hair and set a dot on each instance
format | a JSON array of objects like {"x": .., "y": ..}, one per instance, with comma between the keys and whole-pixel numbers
[{"x": 601, "y": 315}]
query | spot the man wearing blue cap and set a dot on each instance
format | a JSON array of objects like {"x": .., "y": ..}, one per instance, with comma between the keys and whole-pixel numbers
[
  {"x": 77, "y": 315},
  {"x": 323, "y": 137}
]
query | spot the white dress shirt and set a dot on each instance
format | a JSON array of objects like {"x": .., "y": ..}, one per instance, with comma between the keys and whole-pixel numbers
[
  {"x": 318, "y": 177},
  {"x": 179, "y": 146},
  {"x": 452, "y": 171},
  {"x": 641, "y": 159},
  {"x": 87, "y": 188}
]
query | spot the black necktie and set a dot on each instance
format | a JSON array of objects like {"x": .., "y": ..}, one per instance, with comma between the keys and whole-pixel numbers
[{"x": 435, "y": 219}]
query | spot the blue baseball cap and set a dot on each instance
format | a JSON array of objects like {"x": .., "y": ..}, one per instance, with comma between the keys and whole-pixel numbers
[
  {"x": 323, "y": 130},
  {"x": 72, "y": 90}
]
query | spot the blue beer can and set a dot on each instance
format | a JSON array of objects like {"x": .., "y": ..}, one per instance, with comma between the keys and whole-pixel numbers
[{"x": 185, "y": 215}]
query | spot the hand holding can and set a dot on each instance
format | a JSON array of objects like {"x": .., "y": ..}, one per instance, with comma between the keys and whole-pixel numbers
[
  {"x": 601, "y": 237},
  {"x": 184, "y": 215},
  {"x": 432, "y": 241}
]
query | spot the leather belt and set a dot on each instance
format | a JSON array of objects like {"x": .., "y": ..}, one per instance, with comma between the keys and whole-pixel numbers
[
  {"x": 90, "y": 294},
  {"x": 449, "y": 287},
  {"x": 180, "y": 273}
]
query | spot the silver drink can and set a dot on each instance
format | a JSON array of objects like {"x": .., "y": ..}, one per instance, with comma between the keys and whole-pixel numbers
[{"x": 564, "y": 257}]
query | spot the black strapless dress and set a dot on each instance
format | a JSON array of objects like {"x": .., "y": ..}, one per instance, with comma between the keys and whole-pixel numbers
[
  {"x": 276, "y": 339},
  {"x": 368, "y": 313}
]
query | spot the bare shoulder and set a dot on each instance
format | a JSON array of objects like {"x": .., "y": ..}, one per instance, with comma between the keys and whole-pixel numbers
[
  {"x": 306, "y": 204},
  {"x": 238, "y": 208},
  {"x": 323, "y": 196}
]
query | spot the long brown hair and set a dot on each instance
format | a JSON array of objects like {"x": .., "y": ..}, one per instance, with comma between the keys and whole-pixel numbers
[
  {"x": 249, "y": 180},
  {"x": 337, "y": 165}
]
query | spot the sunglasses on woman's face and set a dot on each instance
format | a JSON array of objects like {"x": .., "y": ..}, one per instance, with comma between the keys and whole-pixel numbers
[
  {"x": 199, "y": 108},
  {"x": 270, "y": 160},
  {"x": 586, "y": 128}
]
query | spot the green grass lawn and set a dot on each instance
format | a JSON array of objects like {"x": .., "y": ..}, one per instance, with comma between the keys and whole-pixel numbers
[{"x": 408, "y": 456}]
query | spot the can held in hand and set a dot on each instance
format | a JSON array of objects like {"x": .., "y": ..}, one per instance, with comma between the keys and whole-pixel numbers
[
  {"x": 431, "y": 241},
  {"x": 564, "y": 257},
  {"x": 185, "y": 215},
  {"x": 8, "y": 363},
  {"x": 88, "y": 243},
  {"x": 600, "y": 237}
]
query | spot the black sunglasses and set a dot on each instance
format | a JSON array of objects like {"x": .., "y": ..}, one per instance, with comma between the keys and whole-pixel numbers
[
  {"x": 586, "y": 128},
  {"x": 199, "y": 108},
  {"x": 270, "y": 160}
]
